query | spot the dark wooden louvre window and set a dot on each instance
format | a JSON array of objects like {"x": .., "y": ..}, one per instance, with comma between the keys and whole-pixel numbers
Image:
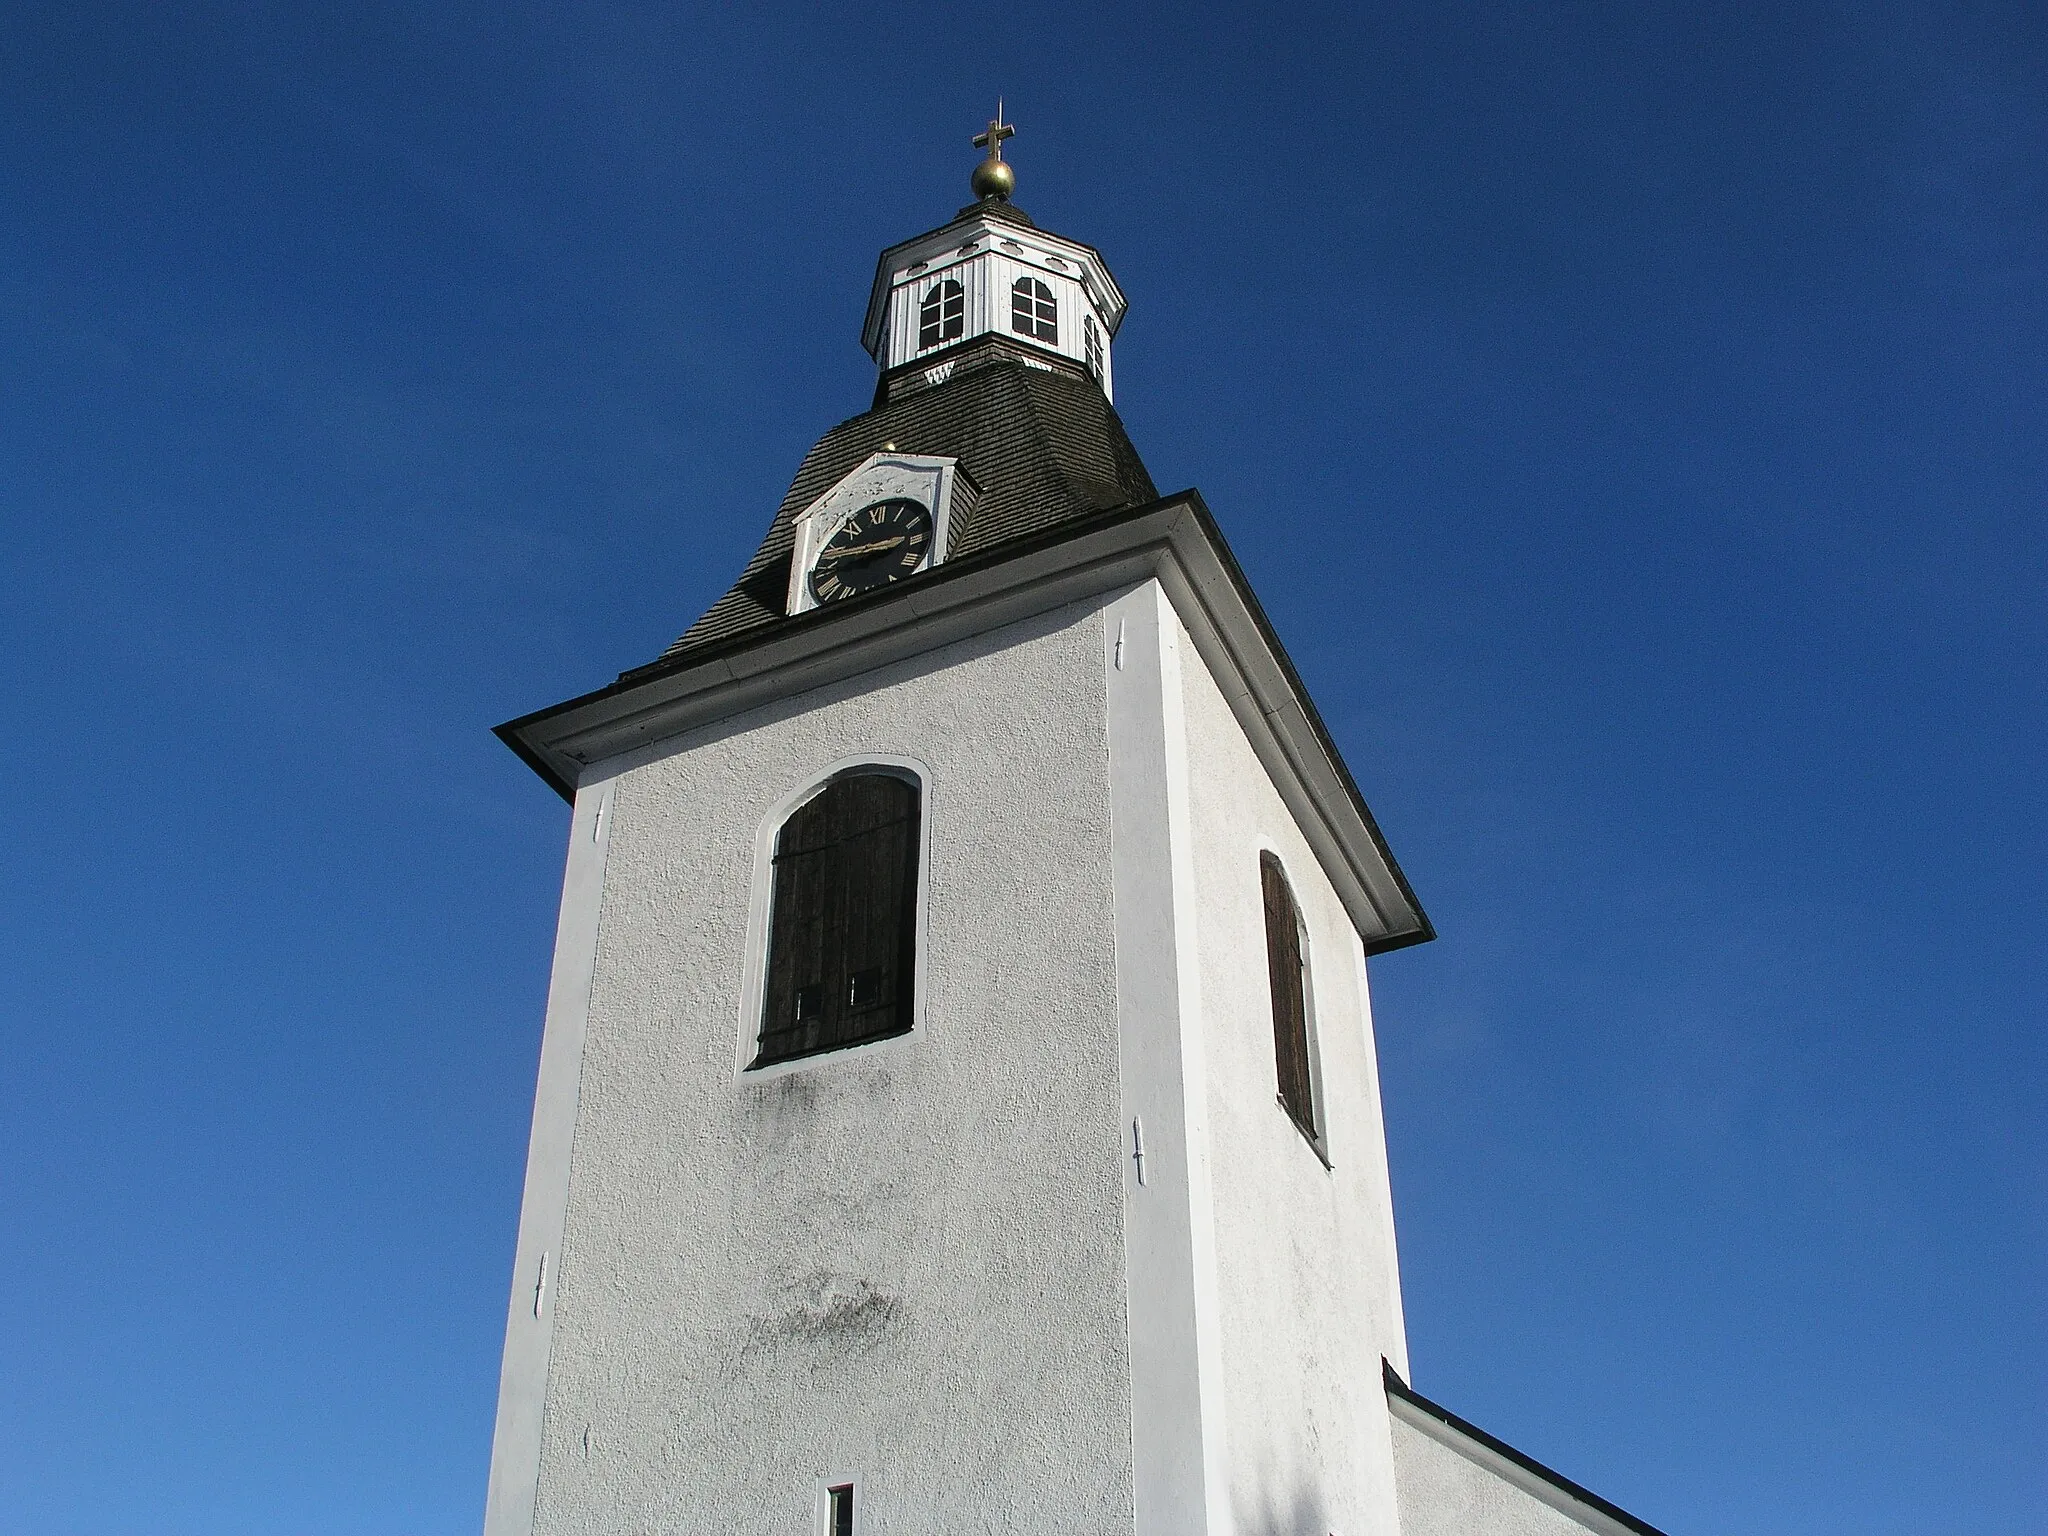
[
  {"x": 842, "y": 940},
  {"x": 1290, "y": 1011}
]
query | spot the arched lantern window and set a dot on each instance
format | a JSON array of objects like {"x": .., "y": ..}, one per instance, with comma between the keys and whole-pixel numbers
[
  {"x": 942, "y": 315},
  {"x": 1034, "y": 312}
]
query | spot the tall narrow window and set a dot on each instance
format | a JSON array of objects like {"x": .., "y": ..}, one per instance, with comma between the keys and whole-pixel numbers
[
  {"x": 842, "y": 923},
  {"x": 1033, "y": 311},
  {"x": 1091, "y": 345},
  {"x": 839, "y": 1511},
  {"x": 942, "y": 316},
  {"x": 1284, "y": 968}
]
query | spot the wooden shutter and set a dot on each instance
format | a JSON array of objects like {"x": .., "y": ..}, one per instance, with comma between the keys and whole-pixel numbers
[
  {"x": 1290, "y": 1012},
  {"x": 842, "y": 945}
]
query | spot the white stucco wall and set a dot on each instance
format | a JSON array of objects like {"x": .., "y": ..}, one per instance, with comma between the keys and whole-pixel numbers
[
  {"x": 931, "y": 1265},
  {"x": 903, "y": 1263},
  {"x": 1179, "y": 1439},
  {"x": 1307, "y": 1282},
  {"x": 1447, "y": 1488}
]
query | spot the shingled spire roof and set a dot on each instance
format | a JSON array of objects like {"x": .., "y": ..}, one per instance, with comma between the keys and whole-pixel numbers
[{"x": 1038, "y": 445}]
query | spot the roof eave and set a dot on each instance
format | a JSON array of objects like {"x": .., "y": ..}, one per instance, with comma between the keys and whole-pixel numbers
[
  {"x": 1174, "y": 539},
  {"x": 1515, "y": 1467}
]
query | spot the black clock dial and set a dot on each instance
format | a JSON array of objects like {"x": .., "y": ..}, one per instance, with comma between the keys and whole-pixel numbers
[{"x": 877, "y": 545}]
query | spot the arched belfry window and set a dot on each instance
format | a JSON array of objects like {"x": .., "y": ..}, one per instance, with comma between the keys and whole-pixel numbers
[
  {"x": 942, "y": 315},
  {"x": 1033, "y": 311},
  {"x": 842, "y": 919},
  {"x": 1286, "y": 968}
]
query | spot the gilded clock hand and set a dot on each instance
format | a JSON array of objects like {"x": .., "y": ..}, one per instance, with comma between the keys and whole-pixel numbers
[{"x": 874, "y": 548}]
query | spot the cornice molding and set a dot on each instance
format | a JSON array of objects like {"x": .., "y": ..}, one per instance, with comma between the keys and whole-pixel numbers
[{"x": 1174, "y": 540}]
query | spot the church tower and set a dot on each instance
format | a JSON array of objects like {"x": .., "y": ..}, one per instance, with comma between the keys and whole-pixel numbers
[{"x": 957, "y": 1108}]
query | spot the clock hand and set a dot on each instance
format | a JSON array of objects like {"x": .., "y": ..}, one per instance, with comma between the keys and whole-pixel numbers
[{"x": 864, "y": 549}]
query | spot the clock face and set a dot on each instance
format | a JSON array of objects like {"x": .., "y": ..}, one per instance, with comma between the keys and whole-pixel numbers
[{"x": 877, "y": 545}]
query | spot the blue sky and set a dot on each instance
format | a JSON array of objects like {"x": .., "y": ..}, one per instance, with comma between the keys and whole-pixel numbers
[{"x": 1632, "y": 416}]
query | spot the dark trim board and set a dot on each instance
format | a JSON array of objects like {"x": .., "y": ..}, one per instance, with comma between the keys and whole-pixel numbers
[{"x": 1401, "y": 1393}]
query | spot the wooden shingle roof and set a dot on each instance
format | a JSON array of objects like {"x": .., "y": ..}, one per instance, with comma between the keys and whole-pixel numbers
[{"x": 1037, "y": 445}]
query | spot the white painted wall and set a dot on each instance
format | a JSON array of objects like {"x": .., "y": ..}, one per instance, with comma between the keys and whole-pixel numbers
[
  {"x": 1308, "y": 1292},
  {"x": 929, "y": 1264},
  {"x": 536, "y": 1266},
  {"x": 1178, "y": 1436},
  {"x": 904, "y": 1262},
  {"x": 1448, "y": 1488}
]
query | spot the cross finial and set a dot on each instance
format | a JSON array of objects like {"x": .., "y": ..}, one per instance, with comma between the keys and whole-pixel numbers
[
  {"x": 998, "y": 130},
  {"x": 992, "y": 178}
]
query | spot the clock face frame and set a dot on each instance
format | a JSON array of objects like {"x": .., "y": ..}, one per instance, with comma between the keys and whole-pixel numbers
[{"x": 884, "y": 541}]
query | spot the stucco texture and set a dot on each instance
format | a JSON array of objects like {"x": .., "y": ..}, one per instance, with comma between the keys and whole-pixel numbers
[
  {"x": 1307, "y": 1295},
  {"x": 1446, "y": 1494},
  {"x": 900, "y": 1263}
]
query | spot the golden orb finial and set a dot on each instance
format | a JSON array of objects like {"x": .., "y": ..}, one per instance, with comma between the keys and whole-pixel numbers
[{"x": 992, "y": 178}]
